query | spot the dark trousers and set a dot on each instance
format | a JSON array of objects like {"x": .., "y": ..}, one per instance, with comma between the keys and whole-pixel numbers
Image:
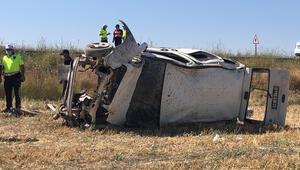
[
  {"x": 65, "y": 83},
  {"x": 118, "y": 41},
  {"x": 104, "y": 40},
  {"x": 12, "y": 83}
]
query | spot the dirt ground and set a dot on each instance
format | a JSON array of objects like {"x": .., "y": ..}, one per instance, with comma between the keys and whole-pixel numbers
[{"x": 38, "y": 142}]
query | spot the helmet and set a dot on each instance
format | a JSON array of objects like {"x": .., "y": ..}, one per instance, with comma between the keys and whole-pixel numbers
[{"x": 9, "y": 47}]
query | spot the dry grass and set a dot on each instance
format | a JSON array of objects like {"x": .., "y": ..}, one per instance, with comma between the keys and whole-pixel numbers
[{"x": 39, "y": 142}]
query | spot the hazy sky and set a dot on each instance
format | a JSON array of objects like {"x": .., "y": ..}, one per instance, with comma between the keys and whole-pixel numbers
[{"x": 205, "y": 24}]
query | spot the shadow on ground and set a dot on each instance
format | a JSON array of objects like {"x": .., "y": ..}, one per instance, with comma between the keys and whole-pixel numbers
[
  {"x": 222, "y": 127},
  {"x": 12, "y": 139}
]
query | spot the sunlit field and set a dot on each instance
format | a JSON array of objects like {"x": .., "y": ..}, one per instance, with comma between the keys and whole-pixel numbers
[{"x": 39, "y": 142}]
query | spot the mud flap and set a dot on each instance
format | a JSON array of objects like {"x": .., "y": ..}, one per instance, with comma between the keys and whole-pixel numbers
[{"x": 278, "y": 98}]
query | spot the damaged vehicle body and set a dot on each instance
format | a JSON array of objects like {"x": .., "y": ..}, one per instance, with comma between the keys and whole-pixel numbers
[{"x": 152, "y": 87}]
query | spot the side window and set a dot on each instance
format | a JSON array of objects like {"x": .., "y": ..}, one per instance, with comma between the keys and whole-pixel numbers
[
  {"x": 173, "y": 56},
  {"x": 203, "y": 56}
]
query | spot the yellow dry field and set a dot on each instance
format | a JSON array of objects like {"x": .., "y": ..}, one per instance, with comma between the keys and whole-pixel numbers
[{"x": 39, "y": 142}]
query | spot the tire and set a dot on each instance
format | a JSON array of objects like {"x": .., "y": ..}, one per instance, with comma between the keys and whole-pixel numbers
[{"x": 98, "y": 50}]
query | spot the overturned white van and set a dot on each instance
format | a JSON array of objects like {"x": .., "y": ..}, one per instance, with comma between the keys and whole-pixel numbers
[{"x": 153, "y": 87}]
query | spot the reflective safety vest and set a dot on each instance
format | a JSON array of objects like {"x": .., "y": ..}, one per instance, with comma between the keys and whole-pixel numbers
[
  {"x": 103, "y": 34},
  {"x": 12, "y": 64},
  {"x": 124, "y": 35},
  {"x": 118, "y": 33}
]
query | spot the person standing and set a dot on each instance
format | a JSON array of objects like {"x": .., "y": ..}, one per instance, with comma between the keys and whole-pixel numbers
[
  {"x": 118, "y": 33},
  {"x": 104, "y": 34},
  {"x": 12, "y": 66},
  {"x": 67, "y": 64}
]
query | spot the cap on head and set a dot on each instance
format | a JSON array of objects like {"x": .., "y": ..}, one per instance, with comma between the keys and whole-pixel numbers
[
  {"x": 117, "y": 26},
  {"x": 104, "y": 26},
  {"x": 64, "y": 51},
  {"x": 9, "y": 47}
]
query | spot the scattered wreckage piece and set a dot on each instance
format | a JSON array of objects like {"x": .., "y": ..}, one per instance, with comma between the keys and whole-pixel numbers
[
  {"x": 26, "y": 112},
  {"x": 51, "y": 107},
  {"x": 153, "y": 87},
  {"x": 22, "y": 112}
]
